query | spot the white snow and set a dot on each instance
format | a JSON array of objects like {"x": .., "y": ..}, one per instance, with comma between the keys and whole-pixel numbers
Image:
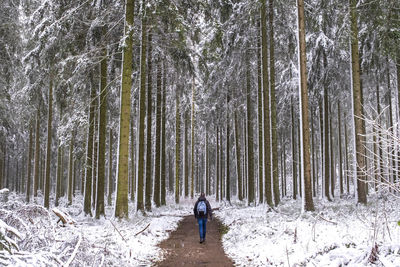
[{"x": 339, "y": 233}]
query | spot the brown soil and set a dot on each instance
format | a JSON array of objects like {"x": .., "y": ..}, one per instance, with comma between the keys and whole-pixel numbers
[{"x": 184, "y": 249}]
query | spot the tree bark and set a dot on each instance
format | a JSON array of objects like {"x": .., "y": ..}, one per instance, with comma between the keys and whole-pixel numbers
[
  {"x": 110, "y": 179},
  {"x": 238, "y": 159},
  {"x": 266, "y": 105},
  {"x": 275, "y": 176},
  {"x": 101, "y": 158},
  {"x": 121, "y": 202},
  {"x": 294, "y": 160},
  {"x": 228, "y": 181},
  {"x": 192, "y": 137},
  {"x": 157, "y": 167},
  {"x": 217, "y": 167},
  {"x": 305, "y": 132},
  {"x": 326, "y": 138},
  {"x": 260, "y": 121},
  {"x": 340, "y": 150},
  {"x": 37, "y": 154},
  {"x": 48, "y": 146},
  {"x": 163, "y": 135},
  {"x": 29, "y": 165},
  {"x": 357, "y": 106},
  {"x": 177, "y": 146},
  {"x": 250, "y": 152},
  {"x": 149, "y": 186},
  {"x": 70, "y": 169}
]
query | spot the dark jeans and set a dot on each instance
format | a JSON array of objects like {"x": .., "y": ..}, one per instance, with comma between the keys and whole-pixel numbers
[{"x": 202, "y": 227}]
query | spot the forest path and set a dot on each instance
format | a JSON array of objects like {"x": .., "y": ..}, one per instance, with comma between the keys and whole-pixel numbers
[{"x": 184, "y": 249}]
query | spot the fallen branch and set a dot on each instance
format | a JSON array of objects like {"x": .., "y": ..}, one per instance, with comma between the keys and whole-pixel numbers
[
  {"x": 74, "y": 252},
  {"x": 117, "y": 230},
  {"x": 63, "y": 217},
  {"x": 142, "y": 230},
  {"x": 335, "y": 223}
]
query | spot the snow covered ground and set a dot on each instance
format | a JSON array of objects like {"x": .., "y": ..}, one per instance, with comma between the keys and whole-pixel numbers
[
  {"x": 339, "y": 233},
  {"x": 87, "y": 242}
]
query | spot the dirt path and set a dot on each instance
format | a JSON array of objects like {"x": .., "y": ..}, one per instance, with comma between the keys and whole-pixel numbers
[{"x": 184, "y": 249}]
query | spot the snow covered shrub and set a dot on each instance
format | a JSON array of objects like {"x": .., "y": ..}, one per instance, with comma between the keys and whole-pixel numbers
[{"x": 6, "y": 234}]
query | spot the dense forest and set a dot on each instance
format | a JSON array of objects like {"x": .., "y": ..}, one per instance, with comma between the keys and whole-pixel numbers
[{"x": 129, "y": 101}]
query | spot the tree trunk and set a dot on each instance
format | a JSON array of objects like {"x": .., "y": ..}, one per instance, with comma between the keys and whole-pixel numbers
[
  {"x": 357, "y": 106},
  {"x": 192, "y": 142},
  {"x": 294, "y": 153},
  {"x": 228, "y": 181},
  {"x": 70, "y": 169},
  {"x": 260, "y": 121},
  {"x": 29, "y": 165},
  {"x": 142, "y": 111},
  {"x": 186, "y": 156},
  {"x": 332, "y": 157},
  {"x": 266, "y": 105},
  {"x": 133, "y": 159},
  {"x": 110, "y": 179},
  {"x": 121, "y": 202},
  {"x": 238, "y": 161},
  {"x": 149, "y": 186},
  {"x": 163, "y": 154},
  {"x": 217, "y": 167},
  {"x": 313, "y": 153},
  {"x": 304, "y": 133},
  {"x": 37, "y": 154},
  {"x": 326, "y": 138},
  {"x": 48, "y": 147},
  {"x": 275, "y": 176},
  {"x": 101, "y": 159},
  {"x": 340, "y": 151},
  {"x": 89, "y": 153},
  {"x": 177, "y": 146},
  {"x": 250, "y": 152},
  {"x": 157, "y": 175}
]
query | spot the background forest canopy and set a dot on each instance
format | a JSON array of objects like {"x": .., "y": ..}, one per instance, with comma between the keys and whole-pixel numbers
[{"x": 213, "y": 100}]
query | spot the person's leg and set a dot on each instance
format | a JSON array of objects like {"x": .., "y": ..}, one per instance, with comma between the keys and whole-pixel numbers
[
  {"x": 204, "y": 228},
  {"x": 200, "y": 222}
]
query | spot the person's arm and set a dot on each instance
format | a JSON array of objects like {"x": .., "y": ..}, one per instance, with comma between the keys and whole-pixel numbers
[
  {"x": 209, "y": 210},
  {"x": 195, "y": 209}
]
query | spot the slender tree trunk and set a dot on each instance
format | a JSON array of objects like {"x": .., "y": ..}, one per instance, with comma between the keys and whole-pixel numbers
[
  {"x": 228, "y": 178},
  {"x": 70, "y": 168},
  {"x": 163, "y": 154},
  {"x": 326, "y": 139},
  {"x": 294, "y": 153},
  {"x": 304, "y": 134},
  {"x": 95, "y": 159},
  {"x": 207, "y": 182},
  {"x": 250, "y": 153},
  {"x": 340, "y": 150},
  {"x": 260, "y": 120},
  {"x": 89, "y": 153},
  {"x": 47, "y": 186},
  {"x": 217, "y": 167},
  {"x": 133, "y": 159},
  {"x": 101, "y": 158},
  {"x": 37, "y": 154},
  {"x": 357, "y": 105},
  {"x": 238, "y": 161},
  {"x": 299, "y": 147},
  {"x": 157, "y": 167},
  {"x": 321, "y": 145},
  {"x": 149, "y": 186},
  {"x": 29, "y": 165},
  {"x": 266, "y": 105},
  {"x": 186, "y": 156},
  {"x": 121, "y": 202},
  {"x": 313, "y": 153},
  {"x": 192, "y": 137},
  {"x": 142, "y": 111},
  {"x": 332, "y": 157},
  {"x": 177, "y": 146},
  {"x": 110, "y": 179},
  {"x": 275, "y": 176}
]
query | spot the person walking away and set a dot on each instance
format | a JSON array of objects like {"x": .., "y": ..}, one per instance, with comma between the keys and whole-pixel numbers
[{"x": 202, "y": 210}]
